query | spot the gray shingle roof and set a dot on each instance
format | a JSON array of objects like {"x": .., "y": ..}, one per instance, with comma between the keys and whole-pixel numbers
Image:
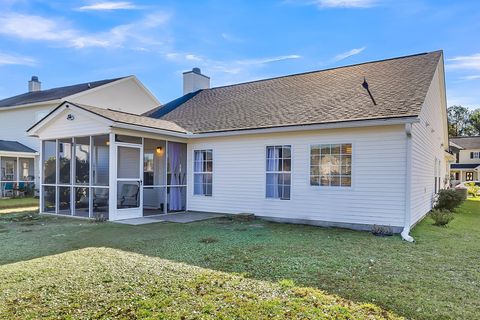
[
  {"x": 467, "y": 142},
  {"x": 129, "y": 118},
  {"x": 398, "y": 85},
  {"x": 14, "y": 146},
  {"x": 52, "y": 94}
]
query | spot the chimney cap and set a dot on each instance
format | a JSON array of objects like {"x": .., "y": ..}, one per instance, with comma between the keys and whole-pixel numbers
[
  {"x": 197, "y": 70},
  {"x": 34, "y": 78}
]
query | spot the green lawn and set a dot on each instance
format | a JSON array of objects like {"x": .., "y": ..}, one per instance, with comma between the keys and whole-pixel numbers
[
  {"x": 18, "y": 203},
  {"x": 438, "y": 277},
  {"x": 108, "y": 283}
]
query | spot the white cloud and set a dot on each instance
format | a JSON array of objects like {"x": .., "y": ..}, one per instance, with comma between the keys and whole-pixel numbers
[
  {"x": 260, "y": 61},
  {"x": 345, "y": 3},
  {"x": 32, "y": 27},
  {"x": 347, "y": 54},
  {"x": 108, "y": 6},
  {"x": 332, "y": 4},
  {"x": 8, "y": 59},
  {"x": 472, "y": 77},
  {"x": 230, "y": 37},
  {"x": 471, "y": 62}
]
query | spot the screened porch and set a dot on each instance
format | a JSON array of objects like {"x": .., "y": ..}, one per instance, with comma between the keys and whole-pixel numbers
[{"x": 113, "y": 176}]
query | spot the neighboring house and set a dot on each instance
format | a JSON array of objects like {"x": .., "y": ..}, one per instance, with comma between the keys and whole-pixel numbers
[
  {"x": 467, "y": 159},
  {"x": 20, "y": 112},
  {"x": 352, "y": 147}
]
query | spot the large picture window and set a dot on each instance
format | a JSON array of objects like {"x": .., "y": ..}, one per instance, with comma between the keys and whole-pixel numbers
[
  {"x": 331, "y": 165},
  {"x": 279, "y": 167},
  {"x": 202, "y": 172}
]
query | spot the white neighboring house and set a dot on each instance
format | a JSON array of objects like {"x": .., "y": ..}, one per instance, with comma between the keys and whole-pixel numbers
[
  {"x": 467, "y": 159},
  {"x": 352, "y": 147},
  {"x": 18, "y": 151}
]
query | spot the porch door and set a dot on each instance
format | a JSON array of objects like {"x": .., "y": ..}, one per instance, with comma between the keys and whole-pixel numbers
[{"x": 129, "y": 181}]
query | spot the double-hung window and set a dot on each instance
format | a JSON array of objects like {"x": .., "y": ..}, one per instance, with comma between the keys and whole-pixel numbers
[
  {"x": 279, "y": 167},
  {"x": 331, "y": 165},
  {"x": 475, "y": 155},
  {"x": 202, "y": 172}
]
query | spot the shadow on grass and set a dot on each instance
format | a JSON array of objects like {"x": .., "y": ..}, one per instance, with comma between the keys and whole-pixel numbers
[{"x": 434, "y": 278}]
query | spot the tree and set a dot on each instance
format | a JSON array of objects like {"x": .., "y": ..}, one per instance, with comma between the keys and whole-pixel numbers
[
  {"x": 459, "y": 121},
  {"x": 475, "y": 121}
]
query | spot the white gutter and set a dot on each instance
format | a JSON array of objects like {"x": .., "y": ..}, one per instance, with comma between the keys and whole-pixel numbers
[
  {"x": 28, "y": 105},
  {"x": 151, "y": 130},
  {"x": 19, "y": 154},
  {"x": 408, "y": 186},
  {"x": 308, "y": 127}
]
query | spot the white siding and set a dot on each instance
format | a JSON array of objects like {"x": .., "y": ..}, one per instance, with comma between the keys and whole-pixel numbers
[
  {"x": 124, "y": 95},
  {"x": 428, "y": 144},
  {"x": 376, "y": 196},
  {"x": 464, "y": 156},
  {"x": 82, "y": 125}
]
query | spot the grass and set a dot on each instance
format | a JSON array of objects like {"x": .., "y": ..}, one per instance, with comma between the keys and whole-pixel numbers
[
  {"x": 18, "y": 203},
  {"x": 438, "y": 277},
  {"x": 108, "y": 283}
]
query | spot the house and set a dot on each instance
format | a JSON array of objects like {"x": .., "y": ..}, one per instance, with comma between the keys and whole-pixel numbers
[
  {"x": 467, "y": 159},
  {"x": 19, "y": 152},
  {"x": 352, "y": 147}
]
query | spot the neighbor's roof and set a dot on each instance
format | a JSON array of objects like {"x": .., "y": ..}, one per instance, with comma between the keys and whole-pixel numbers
[
  {"x": 129, "y": 118},
  {"x": 14, "y": 146},
  {"x": 467, "y": 142},
  {"x": 52, "y": 94},
  {"x": 464, "y": 165},
  {"x": 398, "y": 85}
]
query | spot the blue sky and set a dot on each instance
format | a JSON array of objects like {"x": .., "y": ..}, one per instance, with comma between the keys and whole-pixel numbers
[{"x": 67, "y": 42}]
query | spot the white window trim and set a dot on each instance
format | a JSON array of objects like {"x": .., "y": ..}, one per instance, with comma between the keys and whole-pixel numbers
[
  {"x": 265, "y": 170},
  {"x": 194, "y": 172},
  {"x": 353, "y": 168}
]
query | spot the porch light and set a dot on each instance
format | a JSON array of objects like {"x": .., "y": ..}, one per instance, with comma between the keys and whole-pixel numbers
[
  {"x": 107, "y": 143},
  {"x": 159, "y": 150}
]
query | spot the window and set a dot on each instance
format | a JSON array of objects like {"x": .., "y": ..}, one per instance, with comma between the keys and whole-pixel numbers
[
  {"x": 475, "y": 155},
  {"x": 331, "y": 165},
  {"x": 279, "y": 167},
  {"x": 202, "y": 172}
]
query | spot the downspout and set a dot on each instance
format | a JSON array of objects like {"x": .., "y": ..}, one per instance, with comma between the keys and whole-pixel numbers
[{"x": 408, "y": 185}]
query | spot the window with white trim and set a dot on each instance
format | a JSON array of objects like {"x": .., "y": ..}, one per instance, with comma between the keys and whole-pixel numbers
[
  {"x": 331, "y": 165},
  {"x": 475, "y": 155},
  {"x": 278, "y": 172},
  {"x": 202, "y": 172}
]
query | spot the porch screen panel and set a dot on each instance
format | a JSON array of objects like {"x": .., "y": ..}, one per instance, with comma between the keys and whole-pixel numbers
[
  {"x": 64, "y": 161},
  {"x": 27, "y": 166},
  {"x": 49, "y": 161},
  {"x": 100, "y": 160},
  {"x": 9, "y": 169},
  {"x": 82, "y": 160},
  {"x": 49, "y": 199}
]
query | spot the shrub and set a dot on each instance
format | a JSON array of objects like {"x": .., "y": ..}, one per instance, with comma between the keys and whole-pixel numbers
[
  {"x": 448, "y": 199},
  {"x": 441, "y": 217},
  {"x": 382, "y": 231},
  {"x": 472, "y": 189}
]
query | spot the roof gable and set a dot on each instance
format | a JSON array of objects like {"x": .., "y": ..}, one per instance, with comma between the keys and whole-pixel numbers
[
  {"x": 52, "y": 94},
  {"x": 467, "y": 142},
  {"x": 398, "y": 87},
  {"x": 14, "y": 146}
]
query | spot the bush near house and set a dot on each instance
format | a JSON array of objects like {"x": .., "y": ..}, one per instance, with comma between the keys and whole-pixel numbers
[
  {"x": 448, "y": 199},
  {"x": 472, "y": 189},
  {"x": 441, "y": 217}
]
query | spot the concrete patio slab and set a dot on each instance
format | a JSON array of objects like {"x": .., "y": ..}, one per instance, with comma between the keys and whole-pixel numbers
[
  {"x": 183, "y": 217},
  {"x": 187, "y": 217}
]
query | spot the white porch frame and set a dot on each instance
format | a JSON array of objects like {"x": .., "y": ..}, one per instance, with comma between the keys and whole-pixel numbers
[{"x": 17, "y": 156}]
